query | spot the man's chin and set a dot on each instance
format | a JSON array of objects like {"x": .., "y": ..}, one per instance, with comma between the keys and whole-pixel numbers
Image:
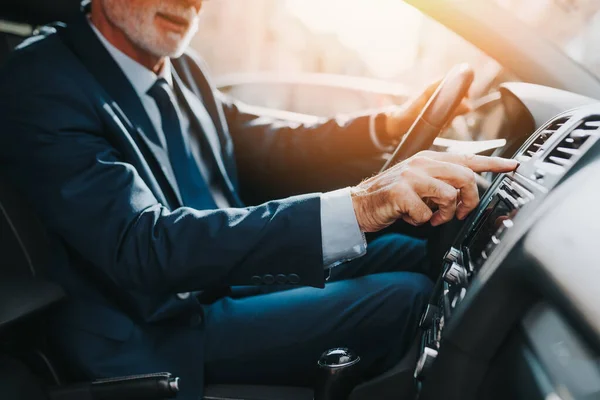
[
  {"x": 172, "y": 45},
  {"x": 166, "y": 50}
]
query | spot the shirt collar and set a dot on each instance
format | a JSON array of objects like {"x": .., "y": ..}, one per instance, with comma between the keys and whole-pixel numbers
[{"x": 141, "y": 78}]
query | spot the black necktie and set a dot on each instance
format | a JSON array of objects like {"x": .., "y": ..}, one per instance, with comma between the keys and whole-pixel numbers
[{"x": 194, "y": 190}]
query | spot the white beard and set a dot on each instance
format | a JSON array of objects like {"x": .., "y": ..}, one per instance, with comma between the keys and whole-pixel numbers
[{"x": 138, "y": 25}]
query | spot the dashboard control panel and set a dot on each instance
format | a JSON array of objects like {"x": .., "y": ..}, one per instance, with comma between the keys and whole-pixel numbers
[{"x": 548, "y": 155}]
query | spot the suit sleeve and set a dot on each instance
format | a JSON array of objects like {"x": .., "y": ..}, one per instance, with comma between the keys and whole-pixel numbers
[
  {"x": 54, "y": 147},
  {"x": 326, "y": 155},
  {"x": 278, "y": 158}
]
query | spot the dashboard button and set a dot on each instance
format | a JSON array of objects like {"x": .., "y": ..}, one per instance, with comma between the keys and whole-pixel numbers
[
  {"x": 539, "y": 175},
  {"x": 456, "y": 274},
  {"x": 452, "y": 255},
  {"x": 428, "y": 316},
  {"x": 425, "y": 362},
  {"x": 506, "y": 224}
]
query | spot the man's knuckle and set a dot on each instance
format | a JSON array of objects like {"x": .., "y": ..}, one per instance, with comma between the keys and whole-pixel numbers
[
  {"x": 467, "y": 176},
  {"x": 426, "y": 214},
  {"x": 399, "y": 190},
  {"x": 472, "y": 176},
  {"x": 407, "y": 174},
  {"x": 418, "y": 161},
  {"x": 468, "y": 158},
  {"x": 434, "y": 190},
  {"x": 450, "y": 196}
]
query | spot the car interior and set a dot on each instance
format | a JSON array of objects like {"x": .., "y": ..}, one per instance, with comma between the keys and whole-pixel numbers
[{"x": 514, "y": 313}]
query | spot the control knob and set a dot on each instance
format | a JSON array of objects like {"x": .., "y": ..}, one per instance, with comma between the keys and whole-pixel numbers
[
  {"x": 452, "y": 255},
  {"x": 425, "y": 362},
  {"x": 456, "y": 274}
]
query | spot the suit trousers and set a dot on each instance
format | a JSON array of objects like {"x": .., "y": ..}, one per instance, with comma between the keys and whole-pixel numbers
[{"x": 371, "y": 305}]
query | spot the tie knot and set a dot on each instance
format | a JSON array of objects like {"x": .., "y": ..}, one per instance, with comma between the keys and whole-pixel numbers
[{"x": 160, "y": 91}]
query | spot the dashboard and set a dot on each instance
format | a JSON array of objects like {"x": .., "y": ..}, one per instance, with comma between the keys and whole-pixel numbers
[{"x": 515, "y": 313}]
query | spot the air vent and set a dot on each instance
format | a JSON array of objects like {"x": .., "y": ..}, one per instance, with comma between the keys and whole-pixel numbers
[
  {"x": 571, "y": 145},
  {"x": 539, "y": 141}
]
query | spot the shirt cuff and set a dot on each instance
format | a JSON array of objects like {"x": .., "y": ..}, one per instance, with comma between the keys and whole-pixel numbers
[
  {"x": 342, "y": 239},
  {"x": 375, "y": 138}
]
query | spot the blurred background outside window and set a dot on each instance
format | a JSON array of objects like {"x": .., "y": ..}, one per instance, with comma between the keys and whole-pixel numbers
[
  {"x": 572, "y": 25},
  {"x": 324, "y": 57}
]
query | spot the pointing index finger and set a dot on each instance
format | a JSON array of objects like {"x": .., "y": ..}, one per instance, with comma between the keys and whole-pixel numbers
[{"x": 479, "y": 163}]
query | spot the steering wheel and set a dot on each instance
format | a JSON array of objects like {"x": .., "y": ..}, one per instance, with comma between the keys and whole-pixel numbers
[{"x": 435, "y": 115}]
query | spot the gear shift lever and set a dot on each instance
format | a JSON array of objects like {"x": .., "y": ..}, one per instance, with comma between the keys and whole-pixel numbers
[{"x": 337, "y": 375}]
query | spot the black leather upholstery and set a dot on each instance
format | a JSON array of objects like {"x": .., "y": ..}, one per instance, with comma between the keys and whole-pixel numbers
[
  {"x": 21, "y": 298},
  {"x": 248, "y": 392},
  {"x": 17, "y": 382},
  {"x": 38, "y": 12},
  {"x": 8, "y": 42},
  {"x": 24, "y": 245}
]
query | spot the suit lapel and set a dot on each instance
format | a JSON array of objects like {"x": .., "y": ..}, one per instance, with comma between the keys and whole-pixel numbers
[
  {"x": 162, "y": 157},
  {"x": 194, "y": 79},
  {"x": 193, "y": 104},
  {"x": 99, "y": 62}
]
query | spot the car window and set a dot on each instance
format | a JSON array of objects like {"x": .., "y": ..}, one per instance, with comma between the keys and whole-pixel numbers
[
  {"x": 387, "y": 40},
  {"x": 572, "y": 25}
]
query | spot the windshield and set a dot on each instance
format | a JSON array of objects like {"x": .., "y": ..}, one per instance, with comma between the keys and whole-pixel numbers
[
  {"x": 573, "y": 25},
  {"x": 392, "y": 42}
]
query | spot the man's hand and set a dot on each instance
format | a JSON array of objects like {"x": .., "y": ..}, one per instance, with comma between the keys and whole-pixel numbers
[
  {"x": 400, "y": 119},
  {"x": 444, "y": 180}
]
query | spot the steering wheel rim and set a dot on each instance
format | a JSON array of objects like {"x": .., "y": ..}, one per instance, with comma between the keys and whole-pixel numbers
[{"x": 435, "y": 115}]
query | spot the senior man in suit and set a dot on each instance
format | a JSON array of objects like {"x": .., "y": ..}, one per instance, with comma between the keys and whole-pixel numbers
[{"x": 134, "y": 164}]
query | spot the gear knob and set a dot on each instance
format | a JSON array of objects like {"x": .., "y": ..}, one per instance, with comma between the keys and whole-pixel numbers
[{"x": 337, "y": 374}]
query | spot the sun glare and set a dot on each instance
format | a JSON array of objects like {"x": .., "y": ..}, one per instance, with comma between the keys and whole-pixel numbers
[{"x": 384, "y": 32}]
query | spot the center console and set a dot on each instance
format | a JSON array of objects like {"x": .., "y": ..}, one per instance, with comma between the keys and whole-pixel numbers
[
  {"x": 463, "y": 261},
  {"x": 488, "y": 236}
]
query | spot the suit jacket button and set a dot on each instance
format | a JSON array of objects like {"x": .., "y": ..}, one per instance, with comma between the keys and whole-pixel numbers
[
  {"x": 281, "y": 279},
  {"x": 195, "y": 320},
  {"x": 268, "y": 279},
  {"x": 294, "y": 279},
  {"x": 183, "y": 296},
  {"x": 256, "y": 280}
]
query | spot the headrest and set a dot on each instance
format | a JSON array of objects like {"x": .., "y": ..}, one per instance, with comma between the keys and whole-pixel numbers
[{"x": 38, "y": 12}]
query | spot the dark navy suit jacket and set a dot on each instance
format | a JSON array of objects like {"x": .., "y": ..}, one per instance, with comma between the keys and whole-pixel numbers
[{"x": 75, "y": 142}]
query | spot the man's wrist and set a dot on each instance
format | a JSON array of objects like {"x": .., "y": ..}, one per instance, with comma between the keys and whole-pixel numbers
[
  {"x": 342, "y": 238},
  {"x": 357, "y": 195},
  {"x": 397, "y": 123},
  {"x": 379, "y": 133},
  {"x": 380, "y": 126}
]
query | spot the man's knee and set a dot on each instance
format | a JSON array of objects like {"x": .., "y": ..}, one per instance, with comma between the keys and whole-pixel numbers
[
  {"x": 414, "y": 286},
  {"x": 405, "y": 251},
  {"x": 402, "y": 294},
  {"x": 395, "y": 243},
  {"x": 410, "y": 293}
]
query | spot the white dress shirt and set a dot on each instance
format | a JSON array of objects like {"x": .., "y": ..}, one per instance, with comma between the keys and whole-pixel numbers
[{"x": 341, "y": 237}]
